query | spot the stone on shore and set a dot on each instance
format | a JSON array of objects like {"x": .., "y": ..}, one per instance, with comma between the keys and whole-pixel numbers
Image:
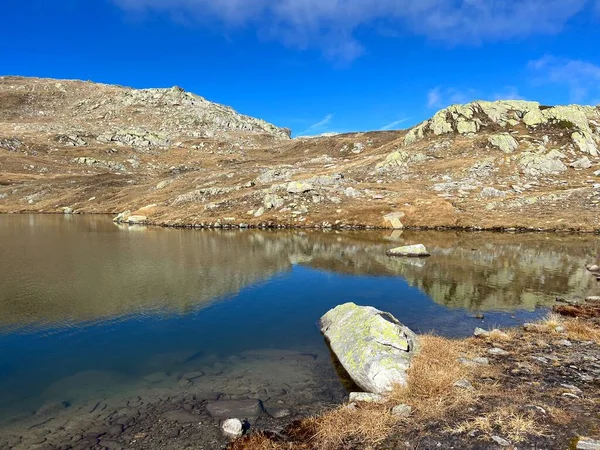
[
  {"x": 364, "y": 397},
  {"x": 417, "y": 250},
  {"x": 393, "y": 220},
  {"x": 372, "y": 346},
  {"x": 232, "y": 428},
  {"x": 136, "y": 219}
]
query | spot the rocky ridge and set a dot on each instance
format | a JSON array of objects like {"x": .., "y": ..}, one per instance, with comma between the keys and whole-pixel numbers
[{"x": 170, "y": 157}]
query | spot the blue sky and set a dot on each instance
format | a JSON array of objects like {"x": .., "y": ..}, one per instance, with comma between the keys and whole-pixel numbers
[{"x": 317, "y": 65}]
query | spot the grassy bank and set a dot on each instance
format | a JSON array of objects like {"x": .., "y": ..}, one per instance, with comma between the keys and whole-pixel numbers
[{"x": 539, "y": 385}]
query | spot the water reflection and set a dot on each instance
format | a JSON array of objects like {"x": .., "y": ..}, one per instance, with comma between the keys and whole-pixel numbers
[{"x": 56, "y": 269}]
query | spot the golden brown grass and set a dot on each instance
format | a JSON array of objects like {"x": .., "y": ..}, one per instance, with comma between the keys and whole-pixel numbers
[
  {"x": 505, "y": 421},
  {"x": 574, "y": 328},
  {"x": 430, "y": 390},
  {"x": 365, "y": 424},
  {"x": 260, "y": 441}
]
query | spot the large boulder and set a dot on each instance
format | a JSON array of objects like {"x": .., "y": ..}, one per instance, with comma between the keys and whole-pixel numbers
[
  {"x": 416, "y": 250},
  {"x": 372, "y": 346}
]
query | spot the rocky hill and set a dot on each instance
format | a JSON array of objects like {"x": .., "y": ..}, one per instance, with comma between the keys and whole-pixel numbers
[{"x": 171, "y": 157}]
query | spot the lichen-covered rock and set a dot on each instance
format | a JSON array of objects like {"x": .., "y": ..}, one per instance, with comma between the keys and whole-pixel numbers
[
  {"x": 477, "y": 116},
  {"x": 536, "y": 164},
  {"x": 504, "y": 142},
  {"x": 299, "y": 187},
  {"x": 394, "y": 159},
  {"x": 372, "y": 346}
]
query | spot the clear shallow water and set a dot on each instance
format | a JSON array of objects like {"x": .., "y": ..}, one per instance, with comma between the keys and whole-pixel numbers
[{"x": 90, "y": 310}]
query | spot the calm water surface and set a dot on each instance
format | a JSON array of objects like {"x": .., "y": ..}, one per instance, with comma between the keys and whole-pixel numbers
[{"x": 89, "y": 308}]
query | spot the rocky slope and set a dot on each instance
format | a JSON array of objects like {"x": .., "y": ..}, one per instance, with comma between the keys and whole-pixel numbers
[{"x": 170, "y": 157}]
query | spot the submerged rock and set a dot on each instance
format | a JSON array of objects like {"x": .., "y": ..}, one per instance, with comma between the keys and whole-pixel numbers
[
  {"x": 417, "y": 250},
  {"x": 372, "y": 346}
]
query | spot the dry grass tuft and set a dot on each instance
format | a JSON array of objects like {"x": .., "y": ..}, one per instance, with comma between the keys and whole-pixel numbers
[
  {"x": 506, "y": 421},
  {"x": 500, "y": 336},
  {"x": 366, "y": 424},
  {"x": 574, "y": 328},
  {"x": 431, "y": 378},
  {"x": 260, "y": 441}
]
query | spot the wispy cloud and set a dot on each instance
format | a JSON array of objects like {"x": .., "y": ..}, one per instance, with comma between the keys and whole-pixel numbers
[
  {"x": 434, "y": 98},
  {"x": 393, "y": 125},
  {"x": 507, "y": 93},
  {"x": 581, "y": 78},
  {"x": 331, "y": 25},
  {"x": 318, "y": 126},
  {"x": 441, "y": 97}
]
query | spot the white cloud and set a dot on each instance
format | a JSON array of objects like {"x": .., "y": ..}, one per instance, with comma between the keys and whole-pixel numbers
[
  {"x": 394, "y": 125},
  {"x": 332, "y": 25},
  {"x": 318, "y": 126},
  {"x": 581, "y": 78}
]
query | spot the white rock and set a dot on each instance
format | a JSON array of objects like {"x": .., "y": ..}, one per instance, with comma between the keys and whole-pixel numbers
[
  {"x": 417, "y": 250},
  {"x": 232, "y": 428}
]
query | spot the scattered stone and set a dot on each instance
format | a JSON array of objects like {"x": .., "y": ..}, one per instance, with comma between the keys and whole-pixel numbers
[
  {"x": 464, "y": 384},
  {"x": 67, "y": 210},
  {"x": 583, "y": 163},
  {"x": 299, "y": 187},
  {"x": 224, "y": 409},
  {"x": 477, "y": 361},
  {"x": 480, "y": 332},
  {"x": 374, "y": 348},
  {"x": 279, "y": 413},
  {"x": 402, "y": 410},
  {"x": 364, "y": 397},
  {"x": 156, "y": 377},
  {"x": 498, "y": 352},
  {"x": 585, "y": 443},
  {"x": 259, "y": 212},
  {"x": 272, "y": 201},
  {"x": 181, "y": 416},
  {"x": 572, "y": 388},
  {"x": 500, "y": 441},
  {"x": 564, "y": 343},
  {"x": 193, "y": 375},
  {"x": 417, "y": 250},
  {"x": 232, "y": 428}
]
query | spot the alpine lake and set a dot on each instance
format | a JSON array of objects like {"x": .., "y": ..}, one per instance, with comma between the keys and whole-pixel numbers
[{"x": 100, "y": 321}]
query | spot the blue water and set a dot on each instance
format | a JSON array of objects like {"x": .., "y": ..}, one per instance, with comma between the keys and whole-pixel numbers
[{"x": 81, "y": 294}]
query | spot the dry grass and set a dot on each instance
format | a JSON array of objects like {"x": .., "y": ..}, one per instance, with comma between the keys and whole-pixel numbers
[
  {"x": 574, "y": 328},
  {"x": 366, "y": 424},
  {"x": 260, "y": 441},
  {"x": 505, "y": 421},
  {"x": 499, "y": 336},
  {"x": 430, "y": 390}
]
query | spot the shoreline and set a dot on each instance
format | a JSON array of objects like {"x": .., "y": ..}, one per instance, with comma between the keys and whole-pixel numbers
[{"x": 273, "y": 225}]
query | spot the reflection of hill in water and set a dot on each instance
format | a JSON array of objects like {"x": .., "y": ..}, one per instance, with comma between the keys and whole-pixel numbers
[
  {"x": 480, "y": 270},
  {"x": 53, "y": 269}
]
